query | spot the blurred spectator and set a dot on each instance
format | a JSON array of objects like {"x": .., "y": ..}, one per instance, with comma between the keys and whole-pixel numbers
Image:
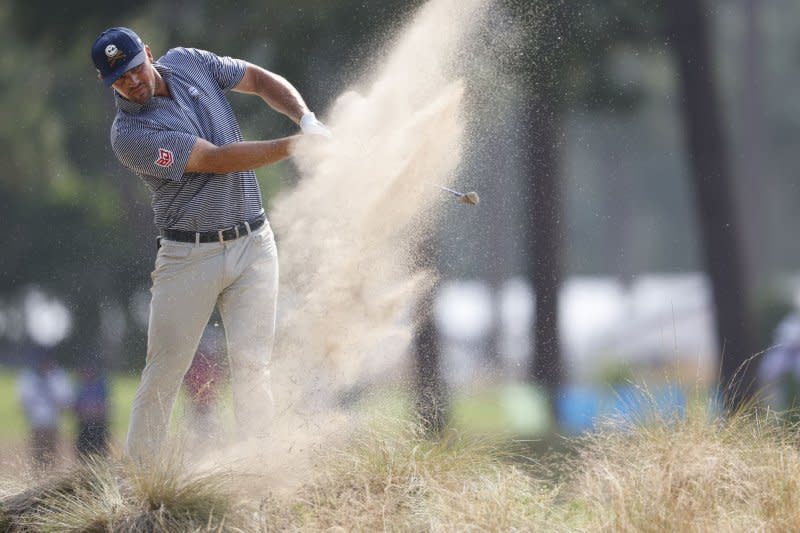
[
  {"x": 44, "y": 391},
  {"x": 203, "y": 388},
  {"x": 779, "y": 371},
  {"x": 91, "y": 410}
]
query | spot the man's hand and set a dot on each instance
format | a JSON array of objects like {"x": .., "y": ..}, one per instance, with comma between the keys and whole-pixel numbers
[{"x": 311, "y": 126}]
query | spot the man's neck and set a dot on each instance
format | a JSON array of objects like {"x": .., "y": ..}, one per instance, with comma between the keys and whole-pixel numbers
[{"x": 161, "y": 86}]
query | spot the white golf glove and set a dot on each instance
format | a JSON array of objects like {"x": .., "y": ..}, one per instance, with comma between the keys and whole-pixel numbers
[{"x": 311, "y": 126}]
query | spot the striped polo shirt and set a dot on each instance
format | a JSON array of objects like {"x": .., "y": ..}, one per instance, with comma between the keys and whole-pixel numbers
[{"x": 155, "y": 140}]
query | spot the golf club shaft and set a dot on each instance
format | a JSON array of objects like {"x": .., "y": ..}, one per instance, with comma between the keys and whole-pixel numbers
[{"x": 451, "y": 191}]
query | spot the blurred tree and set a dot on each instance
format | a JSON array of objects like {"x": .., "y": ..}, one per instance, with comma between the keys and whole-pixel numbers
[
  {"x": 708, "y": 158},
  {"x": 751, "y": 196},
  {"x": 568, "y": 62},
  {"x": 60, "y": 221},
  {"x": 49, "y": 24},
  {"x": 544, "y": 223},
  {"x": 430, "y": 401}
]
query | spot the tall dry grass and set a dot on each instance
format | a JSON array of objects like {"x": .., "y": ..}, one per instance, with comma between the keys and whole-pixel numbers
[
  {"x": 698, "y": 473},
  {"x": 402, "y": 481},
  {"x": 116, "y": 496},
  {"x": 703, "y": 472}
]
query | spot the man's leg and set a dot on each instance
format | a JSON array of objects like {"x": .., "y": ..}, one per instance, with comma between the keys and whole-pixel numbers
[
  {"x": 248, "y": 308},
  {"x": 186, "y": 283},
  {"x": 44, "y": 443}
]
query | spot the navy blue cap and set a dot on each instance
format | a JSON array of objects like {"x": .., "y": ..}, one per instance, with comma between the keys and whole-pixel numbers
[{"x": 115, "y": 52}]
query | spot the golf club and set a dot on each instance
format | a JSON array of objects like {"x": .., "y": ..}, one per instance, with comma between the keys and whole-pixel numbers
[{"x": 470, "y": 198}]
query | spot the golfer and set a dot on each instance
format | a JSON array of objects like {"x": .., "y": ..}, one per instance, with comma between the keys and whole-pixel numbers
[{"x": 175, "y": 128}]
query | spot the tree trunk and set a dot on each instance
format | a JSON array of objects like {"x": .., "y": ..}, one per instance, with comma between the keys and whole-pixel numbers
[
  {"x": 751, "y": 193},
  {"x": 713, "y": 195},
  {"x": 431, "y": 396},
  {"x": 544, "y": 240},
  {"x": 543, "y": 198}
]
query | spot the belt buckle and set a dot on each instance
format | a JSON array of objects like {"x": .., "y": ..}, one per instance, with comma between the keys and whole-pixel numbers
[{"x": 221, "y": 233}]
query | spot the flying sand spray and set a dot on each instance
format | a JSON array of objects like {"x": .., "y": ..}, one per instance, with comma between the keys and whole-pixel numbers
[{"x": 350, "y": 231}]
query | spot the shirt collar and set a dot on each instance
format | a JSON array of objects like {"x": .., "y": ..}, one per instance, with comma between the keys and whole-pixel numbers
[{"x": 133, "y": 107}]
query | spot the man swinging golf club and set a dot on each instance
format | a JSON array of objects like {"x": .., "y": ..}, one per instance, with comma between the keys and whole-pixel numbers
[{"x": 175, "y": 128}]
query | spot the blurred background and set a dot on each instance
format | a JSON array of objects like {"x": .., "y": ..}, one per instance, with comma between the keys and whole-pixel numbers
[{"x": 636, "y": 163}]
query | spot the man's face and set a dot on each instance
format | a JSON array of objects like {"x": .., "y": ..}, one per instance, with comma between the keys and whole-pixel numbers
[{"x": 139, "y": 83}]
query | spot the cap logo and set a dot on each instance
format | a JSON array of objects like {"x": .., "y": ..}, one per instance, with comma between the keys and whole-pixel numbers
[{"x": 114, "y": 55}]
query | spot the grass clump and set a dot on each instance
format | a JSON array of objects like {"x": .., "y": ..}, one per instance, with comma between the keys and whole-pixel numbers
[
  {"x": 169, "y": 498},
  {"x": 695, "y": 472},
  {"x": 22, "y": 511},
  {"x": 404, "y": 481},
  {"x": 111, "y": 496},
  {"x": 700, "y": 473}
]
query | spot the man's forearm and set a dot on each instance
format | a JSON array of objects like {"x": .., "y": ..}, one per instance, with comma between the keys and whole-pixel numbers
[
  {"x": 277, "y": 92},
  {"x": 235, "y": 157},
  {"x": 283, "y": 96}
]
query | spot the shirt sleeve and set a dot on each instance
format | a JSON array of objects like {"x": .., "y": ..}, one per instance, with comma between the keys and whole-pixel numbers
[
  {"x": 227, "y": 71},
  {"x": 153, "y": 152}
]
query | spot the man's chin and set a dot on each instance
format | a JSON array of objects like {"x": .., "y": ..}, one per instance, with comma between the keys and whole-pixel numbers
[{"x": 140, "y": 97}]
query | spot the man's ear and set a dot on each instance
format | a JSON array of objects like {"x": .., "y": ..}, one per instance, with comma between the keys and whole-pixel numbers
[
  {"x": 99, "y": 77},
  {"x": 149, "y": 53}
]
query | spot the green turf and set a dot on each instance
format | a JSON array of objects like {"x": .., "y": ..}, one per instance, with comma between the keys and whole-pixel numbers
[
  {"x": 505, "y": 409},
  {"x": 11, "y": 420},
  {"x": 123, "y": 389}
]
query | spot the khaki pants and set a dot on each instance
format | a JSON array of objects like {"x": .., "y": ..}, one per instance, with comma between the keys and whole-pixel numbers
[{"x": 241, "y": 277}]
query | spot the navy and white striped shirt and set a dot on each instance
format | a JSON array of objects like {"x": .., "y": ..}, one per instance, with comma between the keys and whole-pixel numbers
[{"x": 155, "y": 140}]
